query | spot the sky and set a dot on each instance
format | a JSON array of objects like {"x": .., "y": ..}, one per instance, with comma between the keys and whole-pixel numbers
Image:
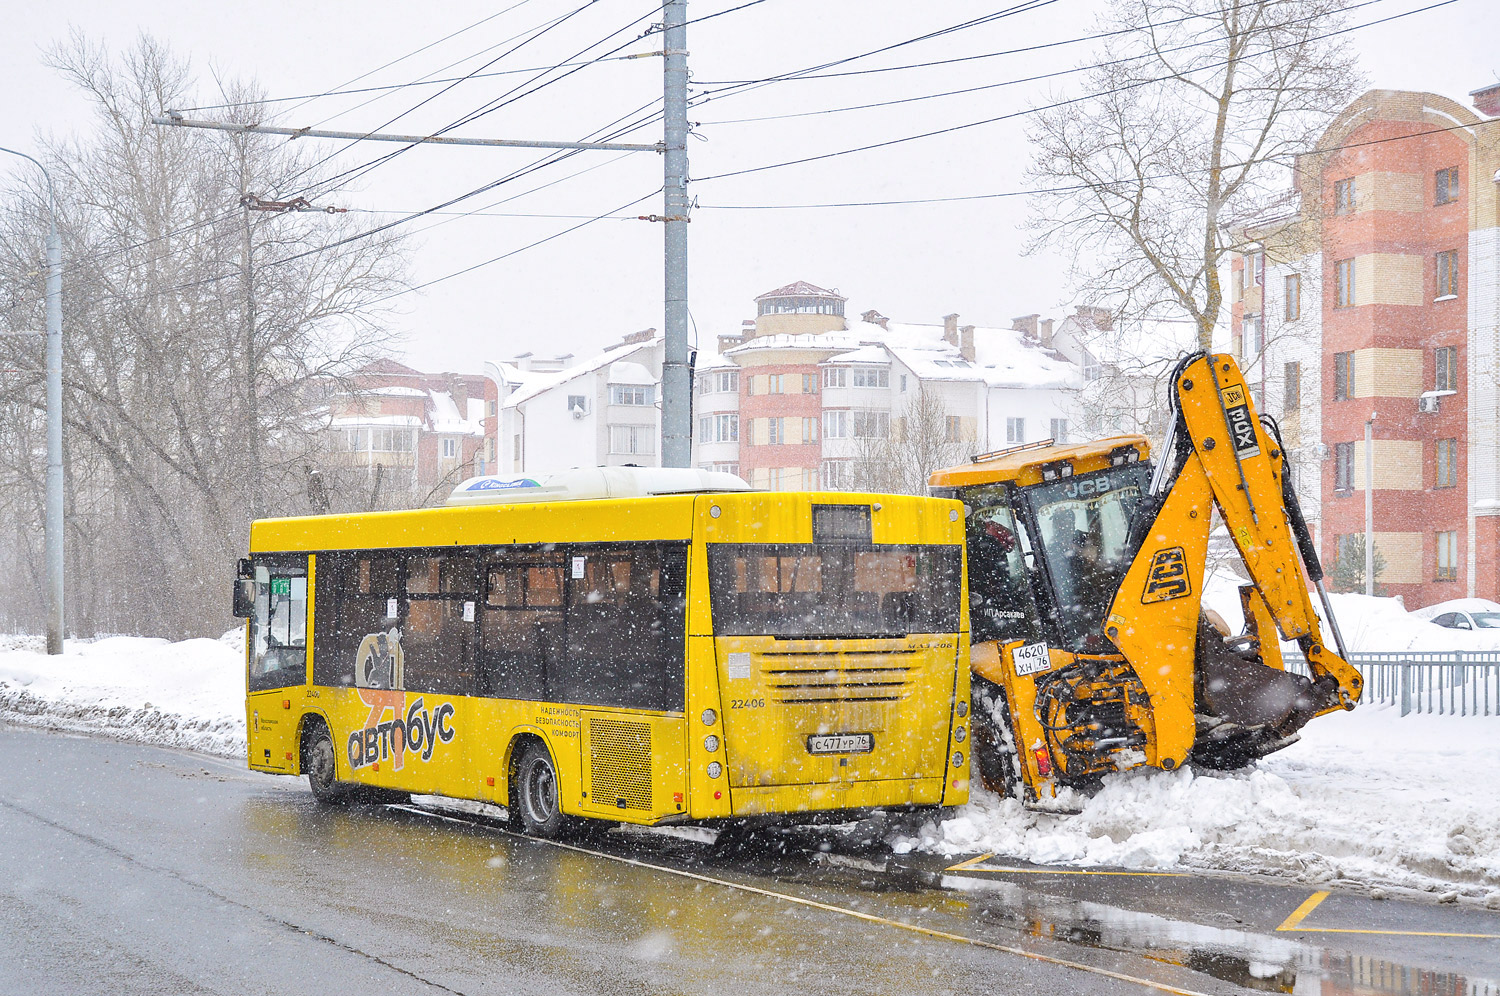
[{"x": 582, "y": 290}]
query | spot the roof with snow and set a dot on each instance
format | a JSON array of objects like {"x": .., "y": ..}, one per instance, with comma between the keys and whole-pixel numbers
[
  {"x": 1003, "y": 357},
  {"x": 801, "y": 288},
  {"x": 446, "y": 417},
  {"x": 537, "y": 383}
]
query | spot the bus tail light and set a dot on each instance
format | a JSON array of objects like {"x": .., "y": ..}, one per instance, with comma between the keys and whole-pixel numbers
[{"x": 715, "y": 769}]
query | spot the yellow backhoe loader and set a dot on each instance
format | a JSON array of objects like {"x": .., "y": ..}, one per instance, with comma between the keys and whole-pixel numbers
[{"x": 1091, "y": 648}]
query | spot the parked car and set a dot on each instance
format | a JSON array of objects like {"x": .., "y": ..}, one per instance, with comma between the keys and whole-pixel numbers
[{"x": 1462, "y": 613}]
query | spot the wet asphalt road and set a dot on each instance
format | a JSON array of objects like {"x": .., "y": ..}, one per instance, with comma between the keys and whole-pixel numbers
[{"x": 130, "y": 869}]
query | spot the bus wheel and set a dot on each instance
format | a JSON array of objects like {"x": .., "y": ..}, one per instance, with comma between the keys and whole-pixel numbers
[
  {"x": 537, "y": 798},
  {"x": 319, "y": 762}
]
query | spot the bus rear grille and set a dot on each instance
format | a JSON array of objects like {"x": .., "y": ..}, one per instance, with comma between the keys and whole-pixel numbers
[
  {"x": 620, "y": 763},
  {"x": 841, "y": 677}
]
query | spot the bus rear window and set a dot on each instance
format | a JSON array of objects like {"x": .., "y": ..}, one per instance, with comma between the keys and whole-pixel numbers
[{"x": 796, "y": 591}]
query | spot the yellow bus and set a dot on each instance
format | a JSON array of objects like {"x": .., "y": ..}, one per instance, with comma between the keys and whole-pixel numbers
[{"x": 635, "y": 645}]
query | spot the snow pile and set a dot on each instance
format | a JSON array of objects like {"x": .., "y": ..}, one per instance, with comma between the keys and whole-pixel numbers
[
  {"x": 1365, "y": 796},
  {"x": 1369, "y": 624},
  {"x": 189, "y": 694}
]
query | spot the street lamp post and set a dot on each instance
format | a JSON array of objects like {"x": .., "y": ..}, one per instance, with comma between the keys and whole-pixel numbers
[{"x": 54, "y": 523}]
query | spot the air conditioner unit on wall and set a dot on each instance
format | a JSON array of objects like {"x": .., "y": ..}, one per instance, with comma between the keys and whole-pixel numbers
[
  {"x": 1428, "y": 403},
  {"x": 578, "y": 408}
]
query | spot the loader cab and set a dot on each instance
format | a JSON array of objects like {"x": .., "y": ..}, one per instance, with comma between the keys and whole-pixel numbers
[{"x": 1048, "y": 537}]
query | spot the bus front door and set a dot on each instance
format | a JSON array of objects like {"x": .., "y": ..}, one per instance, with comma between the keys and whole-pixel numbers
[{"x": 276, "y": 658}]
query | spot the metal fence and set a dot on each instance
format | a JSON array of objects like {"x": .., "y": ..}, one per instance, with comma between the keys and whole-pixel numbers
[{"x": 1442, "y": 682}]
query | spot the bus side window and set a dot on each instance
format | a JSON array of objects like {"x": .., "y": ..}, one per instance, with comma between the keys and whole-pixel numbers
[
  {"x": 522, "y": 626},
  {"x": 437, "y": 640},
  {"x": 278, "y": 629},
  {"x": 626, "y": 627},
  {"x": 368, "y": 587},
  {"x": 328, "y": 668}
]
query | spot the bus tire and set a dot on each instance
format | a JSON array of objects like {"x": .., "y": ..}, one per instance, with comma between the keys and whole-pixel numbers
[
  {"x": 320, "y": 761},
  {"x": 538, "y": 800}
]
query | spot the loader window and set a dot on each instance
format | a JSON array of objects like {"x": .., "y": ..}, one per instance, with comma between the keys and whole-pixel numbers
[
  {"x": 1085, "y": 535},
  {"x": 1001, "y": 604}
]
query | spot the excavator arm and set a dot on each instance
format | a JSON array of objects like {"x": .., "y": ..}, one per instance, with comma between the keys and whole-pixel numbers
[{"x": 1224, "y": 700}]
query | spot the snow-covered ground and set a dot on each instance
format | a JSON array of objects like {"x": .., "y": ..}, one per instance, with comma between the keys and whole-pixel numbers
[{"x": 1366, "y": 797}]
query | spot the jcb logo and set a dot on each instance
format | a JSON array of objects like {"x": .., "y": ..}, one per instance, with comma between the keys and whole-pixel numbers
[{"x": 1168, "y": 577}]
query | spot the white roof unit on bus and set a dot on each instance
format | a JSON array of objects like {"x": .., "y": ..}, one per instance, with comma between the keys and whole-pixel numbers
[{"x": 593, "y": 482}]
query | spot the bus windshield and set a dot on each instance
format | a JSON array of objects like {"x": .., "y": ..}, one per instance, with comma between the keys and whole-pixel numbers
[
  {"x": 1084, "y": 526},
  {"x": 801, "y": 591}
]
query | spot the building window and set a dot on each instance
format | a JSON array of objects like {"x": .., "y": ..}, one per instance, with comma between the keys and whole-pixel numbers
[
  {"x": 1343, "y": 273},
  {"x": 632, "y": 394},
  {"x": 1253, "y": 339},
  {"x": 775, "y": 384},
  {"x": 1446, "y": 363},
  {"x": 774, "y": 478},
  {"x": 775, "y": 431},
  {"x": 719, "y": 429},
  {"x": 723, "y": 468},
  {"x": 515, "y": 450},
  {"x": 578, "y": 404},
  {"x": 834, "y": 474},
  {"x": 810, "y": 429},
  {"x": 721, "y": 381},
  {"x": 390, "y": 440},
  {"x": 1343, "y": 466},
  {"x": 1447, "y": 463},
  {"x": 872, "y": 425},
  {"x": 353, "y": 440},
  {"x": 872, "y": 377},
  {"x": 450, "y": 448},
  {"x": 1015, "y": 430},
  {"x": 1059, "y": 430},
  {"x": 1343, "y": 376},
  {"x": 834, "y": 376},
  {"x": 1255, "y": 268},
  {"x": 1293, "y": 296},
  {"x": 953, "y": 429},
  {"x": 801, "y": 306},
  {"x": 1447, "y": 556},
  {"x": 632, "y": 439},
  {"x": 1447, "y": 273},
  {"x": 1343, "y": 196},
  {"x": 1291, "y": 390},
  {"x": 835, "y": 425},
  {"x": 1446, "y": 191},
  {"x": 494, "y": 407}
]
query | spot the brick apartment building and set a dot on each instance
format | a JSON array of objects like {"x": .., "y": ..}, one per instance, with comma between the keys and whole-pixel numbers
[
  {"x": 403, "y": 436},
  {"x": 1373, "y": 296},
  {"x": 802, "y": 392}
]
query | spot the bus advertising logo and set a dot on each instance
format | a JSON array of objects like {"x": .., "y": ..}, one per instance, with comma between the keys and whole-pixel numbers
[
  {"x": 393, "y": 727},
  {"x": 418, "y": 730},
  {"x": 1168, "y": 577}
]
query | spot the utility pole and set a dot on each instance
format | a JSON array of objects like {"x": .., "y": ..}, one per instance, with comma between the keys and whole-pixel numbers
[
  {"x": 1370, "y": 505},
  {"x": 54, "y": 514},
  {"x": 676, "y": 388}
]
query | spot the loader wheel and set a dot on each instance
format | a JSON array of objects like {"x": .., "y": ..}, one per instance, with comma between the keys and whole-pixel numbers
[{"x": 994, "y": 748}]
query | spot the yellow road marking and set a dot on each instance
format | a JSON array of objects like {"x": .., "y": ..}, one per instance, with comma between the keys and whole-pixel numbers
[
  {"x": 1398, "y": 933},
  {"x": 972, "y": 864},
  {"x": 830, "y": 908},
  {"x": 1294, "y": 921},
  {"x": 1300, "y": 913}
]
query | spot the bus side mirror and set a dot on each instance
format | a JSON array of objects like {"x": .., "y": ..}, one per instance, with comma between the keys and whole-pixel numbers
[{"x": 244, "y": 590}]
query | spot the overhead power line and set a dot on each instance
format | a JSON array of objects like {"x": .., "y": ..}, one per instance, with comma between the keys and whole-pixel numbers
[
  {"x": 1046, "y": 107},
  {"x": 1026, "y": 192},
  {"x": 995, "y": 86}
]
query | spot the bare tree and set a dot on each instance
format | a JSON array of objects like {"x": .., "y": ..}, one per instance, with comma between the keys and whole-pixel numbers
[
  {"x": 922, "y": 439},
  {"x": 200, "y": 339},
  {"x": 1193, "y": 120}
]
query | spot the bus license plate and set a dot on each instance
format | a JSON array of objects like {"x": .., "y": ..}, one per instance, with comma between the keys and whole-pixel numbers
[{"x": 841, "y": 743}]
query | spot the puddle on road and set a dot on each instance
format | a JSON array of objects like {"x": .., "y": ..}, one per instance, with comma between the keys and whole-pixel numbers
[{"x": 1245, "y": 958}]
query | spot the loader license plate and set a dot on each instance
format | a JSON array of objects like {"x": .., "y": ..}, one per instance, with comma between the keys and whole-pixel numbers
[
  {"x": 841, "y": 743},
  {"x": 1031, "y": 659}
]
